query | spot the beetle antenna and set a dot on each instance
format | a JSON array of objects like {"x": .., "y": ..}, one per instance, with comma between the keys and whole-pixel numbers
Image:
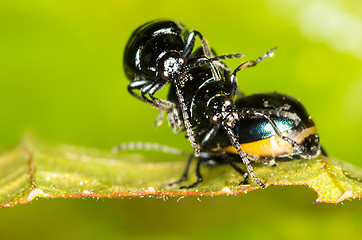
[
  {"x": 204, "y": 60},
  {"x": 190, "y": 132},
  {"x": 252, "y": 63},
  {"x": 148, "y": 146}
]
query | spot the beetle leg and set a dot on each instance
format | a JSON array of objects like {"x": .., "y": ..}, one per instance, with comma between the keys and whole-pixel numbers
[
  {"x": 190, "y": 44},
  {"x": 266, "y": 114},
  {"x": 242, "y": 173},
  {"x": 146, "y": 89},
  {"x": 280, "y": 135},
  {"x": 175, "y": 121},
  {"x": 242, "y": 154},
  {"x": 155, "y": 87},
  {"x": 159, "y": 120},
  {"x": 144, "y": 85},
  {"x": 268, "y": 161},
  {"x": 203, "y": 158},
  {"x": 210, "y": 135},
  {"x": 324, "y": 152},
  {"x": 185, "y": 173},
  {"x": 137, "y": 84},
  {"x": 198, "y": 175},
  {"x": 151, "y": 91}
]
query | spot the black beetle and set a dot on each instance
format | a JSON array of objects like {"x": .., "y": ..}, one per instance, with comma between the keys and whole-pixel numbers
[
  {"x": 157, "y": 53},
  {"x": 259, "y": 128}
]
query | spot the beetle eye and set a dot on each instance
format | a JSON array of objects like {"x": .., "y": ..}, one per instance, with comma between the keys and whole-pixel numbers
[
  {"x": 182, "y": 60},
  {"x": 228, "y": 102},
  {"x": 165, "y": 75}
]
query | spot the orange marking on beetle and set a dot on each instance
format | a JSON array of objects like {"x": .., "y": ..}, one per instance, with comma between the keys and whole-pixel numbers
[
  {"x": 269, "y": 147},
  {"x": 272, "y": 146}
]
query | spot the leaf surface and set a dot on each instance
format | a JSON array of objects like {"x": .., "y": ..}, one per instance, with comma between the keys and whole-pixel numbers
[{"x": 36, "y": 169}]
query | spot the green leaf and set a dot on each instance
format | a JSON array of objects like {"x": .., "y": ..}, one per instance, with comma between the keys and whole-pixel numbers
[{"x": 37, "y": 169}]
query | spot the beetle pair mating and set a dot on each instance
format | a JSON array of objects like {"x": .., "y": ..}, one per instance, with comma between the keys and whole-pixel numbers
[{"x": 257, "y": 128}]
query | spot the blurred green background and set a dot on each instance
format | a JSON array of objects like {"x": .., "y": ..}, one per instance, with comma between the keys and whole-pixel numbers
[{"x": 61, "y": 76}]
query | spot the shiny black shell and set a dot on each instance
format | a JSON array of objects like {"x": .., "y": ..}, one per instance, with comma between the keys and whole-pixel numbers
[
  {"x": 148, "y": 43},
  {"x": 200, "y": 88},
  {"x": 250, "y": 130},
  {"x": 254, "y": 129}
]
